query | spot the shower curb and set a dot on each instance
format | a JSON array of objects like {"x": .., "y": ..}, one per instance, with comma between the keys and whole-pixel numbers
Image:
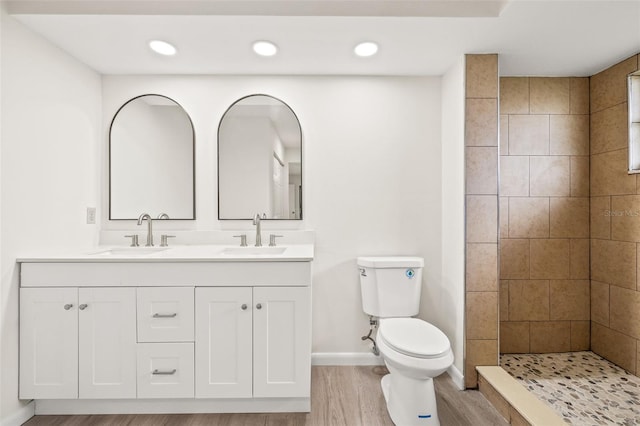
[{"x": 513, "y": 401}]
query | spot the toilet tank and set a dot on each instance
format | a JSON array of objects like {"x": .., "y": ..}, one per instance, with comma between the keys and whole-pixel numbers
[{"x": 391, "y": 285}]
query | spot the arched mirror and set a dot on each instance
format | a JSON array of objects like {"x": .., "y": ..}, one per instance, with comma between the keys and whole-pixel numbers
[
  {"x": 151, "y": 160},
  {"x": 259, "y": 160}
]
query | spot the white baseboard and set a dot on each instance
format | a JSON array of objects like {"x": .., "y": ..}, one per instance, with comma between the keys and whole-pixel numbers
[
  {"x": 345, "y": 358},
  {"x": 172, "y": 406},
  {"x": 456, "y": 376},
  {"x": 20, "y": 416}
]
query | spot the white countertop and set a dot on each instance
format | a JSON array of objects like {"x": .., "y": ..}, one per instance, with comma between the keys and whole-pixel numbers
[{"x": 186, "y": 253}]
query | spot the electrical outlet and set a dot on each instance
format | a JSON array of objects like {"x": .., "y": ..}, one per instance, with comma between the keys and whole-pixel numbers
[{"x": 91, "y": 215}]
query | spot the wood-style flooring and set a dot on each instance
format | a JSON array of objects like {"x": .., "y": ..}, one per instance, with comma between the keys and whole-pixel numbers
[{"x": 340, "y": 396}]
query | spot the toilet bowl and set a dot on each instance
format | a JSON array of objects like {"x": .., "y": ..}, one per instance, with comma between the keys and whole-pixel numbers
[{"x": 415, "y": 352}]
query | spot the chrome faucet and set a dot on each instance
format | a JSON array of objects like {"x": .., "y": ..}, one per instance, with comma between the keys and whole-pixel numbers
[
  {"x": 146, "y": 216},
  {"x": 256, "y": 222}
]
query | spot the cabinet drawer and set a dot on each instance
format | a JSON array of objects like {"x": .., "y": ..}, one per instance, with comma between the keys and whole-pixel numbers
[
  {"x": 165, "y": 314},
  {"x": 165, "y": 370}
]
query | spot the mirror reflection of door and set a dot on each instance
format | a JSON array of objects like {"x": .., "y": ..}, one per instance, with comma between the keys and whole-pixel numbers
[{"x": 259, "y": 160}]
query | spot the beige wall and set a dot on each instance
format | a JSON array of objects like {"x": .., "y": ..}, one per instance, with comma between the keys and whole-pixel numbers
[
  {"x": 544, "y": 214},
  {"x": 615, "y": 223},
  {"x": 481, "y": 169}
]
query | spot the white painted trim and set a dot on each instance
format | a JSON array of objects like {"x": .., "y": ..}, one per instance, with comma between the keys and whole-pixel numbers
[
  {"x": 456, "y": 376},
  {"x": 20, "y": 416},
  {"x": 172, "y": 406},
  {"x": 345, "y": 358}
]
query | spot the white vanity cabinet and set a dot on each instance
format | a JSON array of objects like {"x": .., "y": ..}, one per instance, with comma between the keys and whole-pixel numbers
[
  {"x": 77, "y": 343},
  {"x": 253, "y": 342},
  {"x": 177, "y": 335}
]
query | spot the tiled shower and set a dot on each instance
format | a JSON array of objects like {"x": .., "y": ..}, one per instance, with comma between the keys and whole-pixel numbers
[
  {"x": 567, "y": 213},
  {"x": 569, "y": 217}
]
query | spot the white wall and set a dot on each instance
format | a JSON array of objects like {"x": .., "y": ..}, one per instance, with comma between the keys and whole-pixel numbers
[
  {"x": 51, "y": 121},
  {"x": 449, "y": 293},
  {"x": 372, "y": 176}
]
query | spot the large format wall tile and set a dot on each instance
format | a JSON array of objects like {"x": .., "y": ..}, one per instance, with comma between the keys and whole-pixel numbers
[
  {"x": 550, "y": 336},
  {"x": 569, "y": 300},
  {"x": 550, "y": 259},
  {"x": 482, "y": 315},
  {"x": 569, "y": 134},
  {"x": 528, "y": 300},
  {"x": 550, "y": 176},
  {"x": 528, "y": 135},
  {"x": 609, "y": 174},
  {"x": 482, "y": 267},
  {"x": 600, "y": 217},
  {"x": 569, "y": 217},
  {"x": 579, "y": 95},
  {"x": 580, "y": 335},
  {"x": 514, "y": 259},
  {"x": 614, "y": 346},
  {"x": 624, "y": 315},
  {"x": 580, "y": 259},
  {"x": 514, "y": 176},
  {"x": 482, "y": 170},
  {"x": 514, "y": 337},
  {"x": 514, "y": 95},
  {"x": 625, "y": 218},
  {"x": 600, "y": 302},
  {"x": 614, "y": 262},
  {"x": 481, "y": 128},
  {"x": 482, "y": 76},
  {"x": 609, "y": 87},
  {"x": 609, "y": 129},
  {"x": 482, "y": 219},
  {"x": 549, "y": 95},
  {"x": 579, "y": 176},
  {"x": 528, "y": 217}
]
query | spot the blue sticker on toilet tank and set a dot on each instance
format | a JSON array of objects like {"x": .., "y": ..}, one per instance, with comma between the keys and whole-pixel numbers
[{"x": 409, "y": 273}]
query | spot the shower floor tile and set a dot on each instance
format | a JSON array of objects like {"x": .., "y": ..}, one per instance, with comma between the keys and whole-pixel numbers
[{"x": 584, "y": 388}]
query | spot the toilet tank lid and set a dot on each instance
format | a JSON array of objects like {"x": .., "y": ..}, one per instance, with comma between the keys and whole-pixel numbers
[{"x": 391, "y": 262}]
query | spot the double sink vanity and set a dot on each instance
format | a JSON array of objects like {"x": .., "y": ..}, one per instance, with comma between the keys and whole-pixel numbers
[{"x": 198, "y": 328}]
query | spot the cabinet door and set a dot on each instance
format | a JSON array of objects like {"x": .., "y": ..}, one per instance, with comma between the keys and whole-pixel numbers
[
  {"x": 107, "y": 342},
  {"x": 223, "y": 342},
  {"x": 48, "y": 343},
  {"x": 282, "y": 342}
]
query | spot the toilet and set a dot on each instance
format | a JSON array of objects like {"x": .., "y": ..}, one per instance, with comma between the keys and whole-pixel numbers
[{"x": 413, "y": 350}]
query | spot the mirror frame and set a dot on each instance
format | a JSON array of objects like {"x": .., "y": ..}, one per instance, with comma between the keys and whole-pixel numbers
[
  {"x": 301, "y": 154},
  {"x": 193, "y": 156}
]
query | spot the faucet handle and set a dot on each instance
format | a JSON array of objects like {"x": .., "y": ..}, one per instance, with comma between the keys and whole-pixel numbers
[
  {"x": 134, "y": 240},
  {"x": 243, "y": 239},
  {"x": 163, "y": 240},
  {"x": 272, "y": 239}
]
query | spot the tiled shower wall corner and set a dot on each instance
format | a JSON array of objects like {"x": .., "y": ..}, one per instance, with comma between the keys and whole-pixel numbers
[
  {"x": 615, "y": 223},
  {"x": 481, "y": 169},
  {"x": 544, "y": 214}
]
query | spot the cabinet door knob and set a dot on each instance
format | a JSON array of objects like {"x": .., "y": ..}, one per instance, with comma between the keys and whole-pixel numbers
[
  {"x": 259, "y": 306},
  {"x": 83, "y": 306},
  {"x": 68, "y": 306},
  {"x": 244, "y": 306}
]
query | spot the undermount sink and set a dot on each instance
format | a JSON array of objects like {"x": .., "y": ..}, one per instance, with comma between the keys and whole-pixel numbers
[
  {"x": 253, "y": 251},
  {"x": 129, "y": 251}
]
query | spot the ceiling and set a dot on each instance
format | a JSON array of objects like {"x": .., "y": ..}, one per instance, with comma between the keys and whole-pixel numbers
[{"x": 316, "y": 37}]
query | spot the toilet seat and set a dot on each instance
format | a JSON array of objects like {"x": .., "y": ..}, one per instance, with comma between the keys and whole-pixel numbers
[{"x": 414, "y": 337}]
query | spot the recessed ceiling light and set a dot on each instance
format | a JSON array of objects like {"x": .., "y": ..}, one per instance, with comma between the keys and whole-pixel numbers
[
  {"x": 265, "y": 48},
  {"x": 162, "y": 47},
  {"x": 367, "y": 48}
]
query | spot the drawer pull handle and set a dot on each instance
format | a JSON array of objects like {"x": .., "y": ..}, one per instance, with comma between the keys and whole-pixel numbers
[
  {"x": 173, "y": 315},
  {"x": 164, "y": 373}
]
